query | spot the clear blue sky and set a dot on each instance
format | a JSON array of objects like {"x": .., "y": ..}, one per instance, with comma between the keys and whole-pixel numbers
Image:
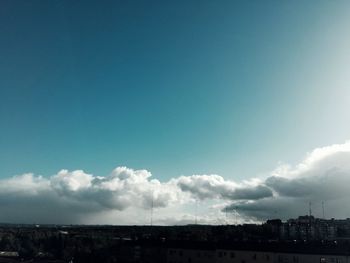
[{"x": 175, "y": 87}]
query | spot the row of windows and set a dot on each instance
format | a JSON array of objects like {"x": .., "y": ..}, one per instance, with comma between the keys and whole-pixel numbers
[
  {"x": 198, "y": 254},
  {"x": 224, "y": 254},
  {"x": 331, "y": 260},
  {"x": 280, "y": 259},
  {"x": 283, "y": 258},
  {"x": 295, "y": 259},
  {"x": 233, "y": 255}
]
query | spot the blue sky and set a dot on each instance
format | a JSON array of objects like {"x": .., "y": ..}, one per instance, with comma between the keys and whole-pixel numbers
[{"x": 175, "y": 87}]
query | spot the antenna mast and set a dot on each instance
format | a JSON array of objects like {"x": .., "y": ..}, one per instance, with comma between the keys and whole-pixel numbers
[
  {"x": 323, "y": 210},
  {"x": 152, "y": 212},
  {"x": 195, "y": 215},
  {"x": 310, "y": 209},
  {"x": 236, "y": 222}
]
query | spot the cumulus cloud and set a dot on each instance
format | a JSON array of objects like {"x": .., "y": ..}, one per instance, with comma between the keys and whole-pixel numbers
[
  {"x": 323, "y": 176},
  {"x": 215, "y": 186},
  {"x": 70, "y": 197},
  {"x": 78, "y": 197},
  {"x": 126, "y": 196}
]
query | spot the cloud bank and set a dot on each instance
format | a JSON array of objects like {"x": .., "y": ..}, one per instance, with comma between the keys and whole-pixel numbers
[
  {"x": 323, "y": 176},
  {"x": 126, "y": 196}
]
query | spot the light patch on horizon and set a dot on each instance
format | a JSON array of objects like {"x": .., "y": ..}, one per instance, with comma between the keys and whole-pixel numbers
[{"x": 126, "y": 196}]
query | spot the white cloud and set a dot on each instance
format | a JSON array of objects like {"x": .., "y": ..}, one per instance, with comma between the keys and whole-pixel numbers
[
  {"x": 76, "y": 196},
  {"x": 126, "y": 195},
  {"x": 216, "y": 187},
  {"x": 323, "y": 176}
]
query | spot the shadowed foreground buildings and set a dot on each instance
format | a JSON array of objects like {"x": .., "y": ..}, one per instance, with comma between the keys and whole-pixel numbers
[
  {"x": 250, "y": 252},
  {"x": 310, "y": 228},
  {"x": 147, "y": 251},
  {"x": 305, "y": 239}
]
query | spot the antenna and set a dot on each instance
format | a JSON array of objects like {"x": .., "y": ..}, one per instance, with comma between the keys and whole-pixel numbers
[
  {"x": 195, "y": 214},
  {"x": 310, "y": 213},
  {"x": 236, "y": 223},
  {"x": 323, "y": 210},
  {"x": 152, "y": 211}
]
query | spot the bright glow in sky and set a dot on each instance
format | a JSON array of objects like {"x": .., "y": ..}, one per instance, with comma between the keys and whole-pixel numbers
[{"x": 178, "y": 88}]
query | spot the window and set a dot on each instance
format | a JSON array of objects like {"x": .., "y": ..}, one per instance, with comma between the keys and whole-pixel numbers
[
  {"x": 232, "y": 255},
  {"x": 323, "y": 260}
]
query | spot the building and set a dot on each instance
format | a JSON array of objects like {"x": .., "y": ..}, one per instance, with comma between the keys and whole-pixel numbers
[{"x": 258, "y": 253}]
